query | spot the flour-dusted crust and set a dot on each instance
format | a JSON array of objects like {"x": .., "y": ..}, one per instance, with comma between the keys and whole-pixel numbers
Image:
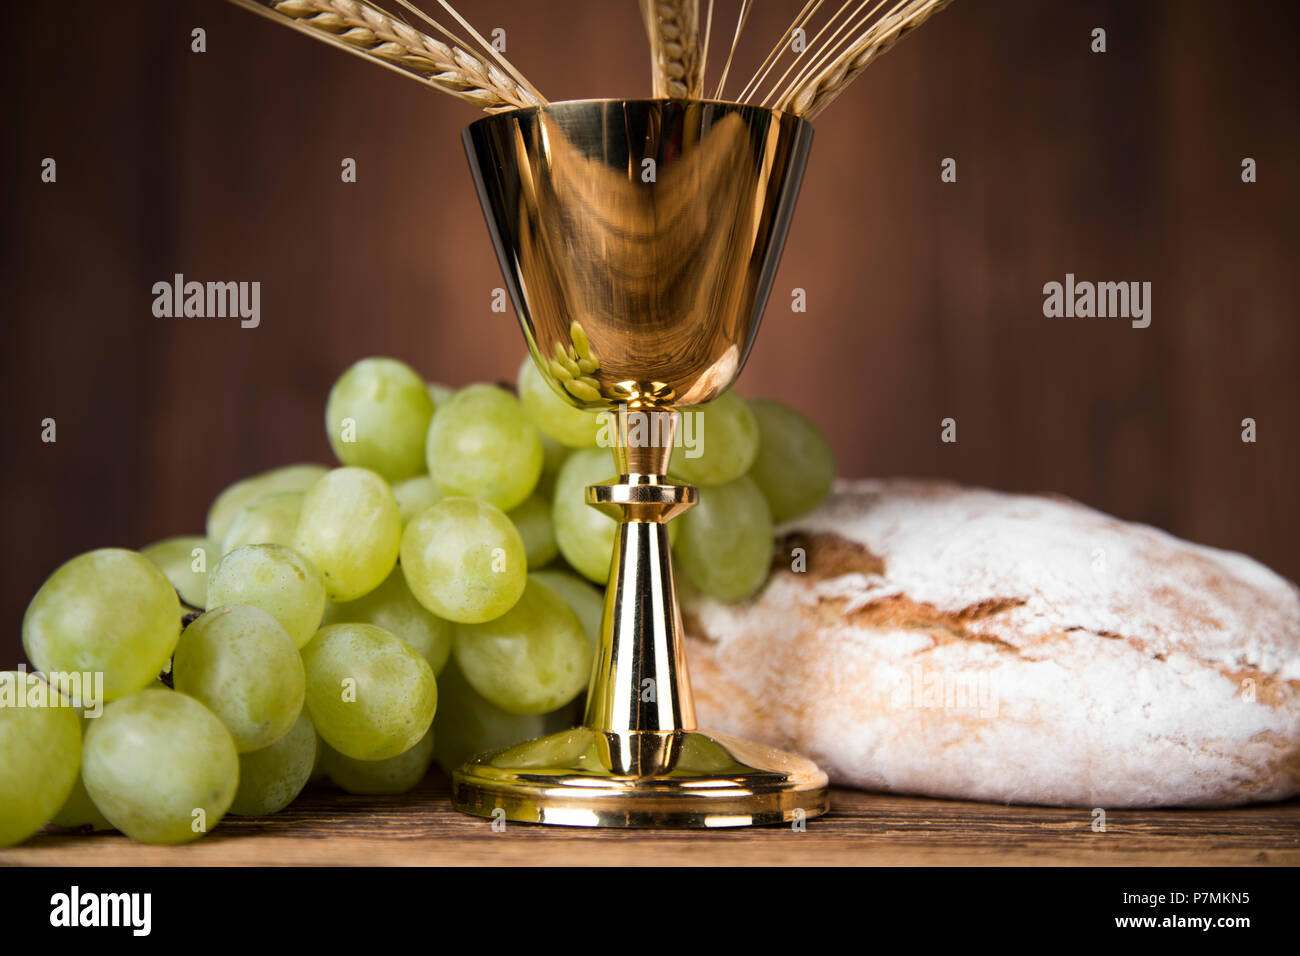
[{"x": 967, "y": 643}]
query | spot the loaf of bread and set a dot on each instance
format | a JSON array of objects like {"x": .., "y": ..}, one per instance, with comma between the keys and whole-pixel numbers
[{"x": 920, "y": 637}]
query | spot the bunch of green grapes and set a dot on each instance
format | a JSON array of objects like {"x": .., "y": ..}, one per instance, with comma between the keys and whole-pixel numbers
[{"x": 436, "y": 595}]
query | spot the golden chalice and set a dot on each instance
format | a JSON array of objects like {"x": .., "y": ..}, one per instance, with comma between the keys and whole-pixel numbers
[{"x": 639, "y": 240}]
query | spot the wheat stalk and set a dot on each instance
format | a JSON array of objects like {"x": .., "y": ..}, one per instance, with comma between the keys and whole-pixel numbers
[
  {"x": 832, "y": 46},
  {"x": 674, "y": 30},
  {"x": 704, "y": 49},
  {"x": 810, "y": 96},
  {"x": 370, "y": 32},
  {"x": 774, "y": 55},
  {"x": 745, "y": 7}
]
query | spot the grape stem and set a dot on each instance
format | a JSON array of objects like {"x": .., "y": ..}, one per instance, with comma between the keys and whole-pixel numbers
[{"x": 188, "y": 618}]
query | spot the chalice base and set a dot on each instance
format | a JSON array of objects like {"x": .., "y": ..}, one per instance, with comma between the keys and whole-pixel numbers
[{"x": 677, "y": 779}]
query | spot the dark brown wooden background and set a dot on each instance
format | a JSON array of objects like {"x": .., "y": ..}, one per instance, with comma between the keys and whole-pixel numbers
[{"x": 924, "y": 298}]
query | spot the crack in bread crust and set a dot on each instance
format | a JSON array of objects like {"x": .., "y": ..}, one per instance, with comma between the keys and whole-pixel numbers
[
  {"x": 829, "y": 555},
  {"x": 899, "y": 612}
]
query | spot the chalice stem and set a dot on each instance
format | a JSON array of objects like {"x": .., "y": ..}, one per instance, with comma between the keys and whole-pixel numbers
[{"x": 639, "y": 681}]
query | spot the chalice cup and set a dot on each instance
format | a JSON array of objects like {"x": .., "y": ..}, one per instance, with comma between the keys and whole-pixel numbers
[{"x": 639, "y": 240}]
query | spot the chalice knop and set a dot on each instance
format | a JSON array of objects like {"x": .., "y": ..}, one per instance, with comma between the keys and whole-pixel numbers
[{"x": 639, "y": 240}]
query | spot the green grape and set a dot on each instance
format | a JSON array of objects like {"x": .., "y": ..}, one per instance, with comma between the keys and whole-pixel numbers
[
  {"x": 726, "y": 435},
  {"x": 726, "y": 541},
  {"x": 481, "y": 444},
  {"x": 552, "y": 414},
  {"x": 576, "y": 747},
  {"x": 274, "y": 579},
  {"x": 351, "y": 530},
  {"x": 108, "y": 611},
  {"x": 371, "y": 695},
  {"x": 533, "y": 520},
  {"x": 271, "y": 778},
  {"x": 414, "y": 495},
  {"x": 243, "y": 493},
  {"x": 464, "y": 560},
  {"x": 160, "y": 766},
  {"x": 394, "y": 775},
  {"x": 377, "y": 417},
  {"x": 586, "y": 601},
  {"x": 79, "y": 811},
  {"x": 532, "y": 659},
  {"x": 795, "y": 467},
  {"x": 40, "y": 751},
  {"x": 393, "y": 607},
  {"x": 318, "y": 774},
  {"x": 467, "y": 724},
  {"x": 585, "y": 536},
  {"x": 553, "y": 456},
  {"x": 240, "y": 664},
  {"x": 438, "y": 393},
  {"x": 271, "y": 519},
  {"x": 186, "y": 562}
]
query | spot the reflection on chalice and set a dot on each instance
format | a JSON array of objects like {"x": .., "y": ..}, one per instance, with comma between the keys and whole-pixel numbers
[{"x": 639, "y": 240}]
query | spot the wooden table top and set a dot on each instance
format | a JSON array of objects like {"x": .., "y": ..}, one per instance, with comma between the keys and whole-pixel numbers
[{"x": 325, "y": 827}]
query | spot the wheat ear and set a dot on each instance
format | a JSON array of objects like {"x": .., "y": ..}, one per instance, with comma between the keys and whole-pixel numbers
[
  {"x": 674, "y": 30},
  {"x": 812, "y": 96},
  {"x": 370, "y": 32},
  {"x": 488, "y": 48}
]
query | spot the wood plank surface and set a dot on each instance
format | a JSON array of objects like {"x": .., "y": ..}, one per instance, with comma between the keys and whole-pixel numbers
[{"x": 420, "y": 828}]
